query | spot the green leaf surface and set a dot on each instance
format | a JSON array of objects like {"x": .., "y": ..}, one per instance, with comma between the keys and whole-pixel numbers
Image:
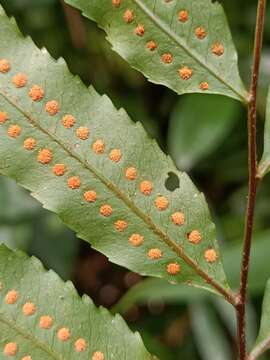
[
  {"x": 29, "y": 292},
  {"x": 178, "y": 39},
  {"x": 55, "y": 245},
  {"x": 264, "y": 165},
  {"x": 259, "y": 263},
  {"x": 209, "y": 335},
  {"x": 26, "y": 226},
  {"x": 156, "y": 290},
  {"x": 198, "y": 126},
  {"x": 149, "y": 214},
  {"x": 15, "y": 202},
  {"x": 263, "y": 339}
]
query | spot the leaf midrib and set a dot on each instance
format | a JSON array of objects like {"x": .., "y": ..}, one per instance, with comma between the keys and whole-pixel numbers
[
  {"x": 177, "y": 249},
  {"x": 30, "y": 337},
  {"x": 177, "y": 39}
]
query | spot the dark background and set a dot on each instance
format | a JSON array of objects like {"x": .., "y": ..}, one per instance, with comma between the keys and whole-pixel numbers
[{"x": 205, "y": 135}]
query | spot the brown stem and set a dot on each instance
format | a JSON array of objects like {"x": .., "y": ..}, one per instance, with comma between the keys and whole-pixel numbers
[{"x": 253, "y": 181}]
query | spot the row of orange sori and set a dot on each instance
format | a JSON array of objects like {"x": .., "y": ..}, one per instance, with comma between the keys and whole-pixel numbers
[
  {"x": 45, "y": 157},
  {"x": 46, "y": 322},
  {"x": 185, "y": 72}
]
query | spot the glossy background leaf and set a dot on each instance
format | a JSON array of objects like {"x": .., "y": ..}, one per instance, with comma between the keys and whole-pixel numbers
[
  {"x": 198, "y": 125},
  {"x": 26, "y": 226},
  {"x": 263, "y": 340},
  {"x": 206, "y": 328},
  {"x": 264, "y": 165}
]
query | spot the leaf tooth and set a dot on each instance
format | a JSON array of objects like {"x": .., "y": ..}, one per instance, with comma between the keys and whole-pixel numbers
[{"x": 87, "y": 300}]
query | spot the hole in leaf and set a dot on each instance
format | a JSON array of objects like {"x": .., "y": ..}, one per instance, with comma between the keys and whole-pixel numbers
[{"x": 172, "y": 182}]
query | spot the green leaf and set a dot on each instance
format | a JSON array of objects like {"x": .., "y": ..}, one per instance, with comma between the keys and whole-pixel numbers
[
  {"x": 264, "y": 165},
  {"x": 29, "y": 293},
  {"x": 259, "y": 263},
  {"x": 25, "y": 225},
  {"x": 156, "y": 290},
  {"x": 16, "y": 205},
  {"x": 197, "y": 126},
  {"x": 55, "y": 245},
  {"x": 202, "y": 69},
  {"x": 263, "y": 339},
  {"x": 209, "y": 334},
  {"x": 124, "y": 206}
]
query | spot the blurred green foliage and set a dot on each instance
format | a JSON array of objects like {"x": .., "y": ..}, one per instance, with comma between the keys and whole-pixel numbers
[{"x": 174, "y": 323}]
